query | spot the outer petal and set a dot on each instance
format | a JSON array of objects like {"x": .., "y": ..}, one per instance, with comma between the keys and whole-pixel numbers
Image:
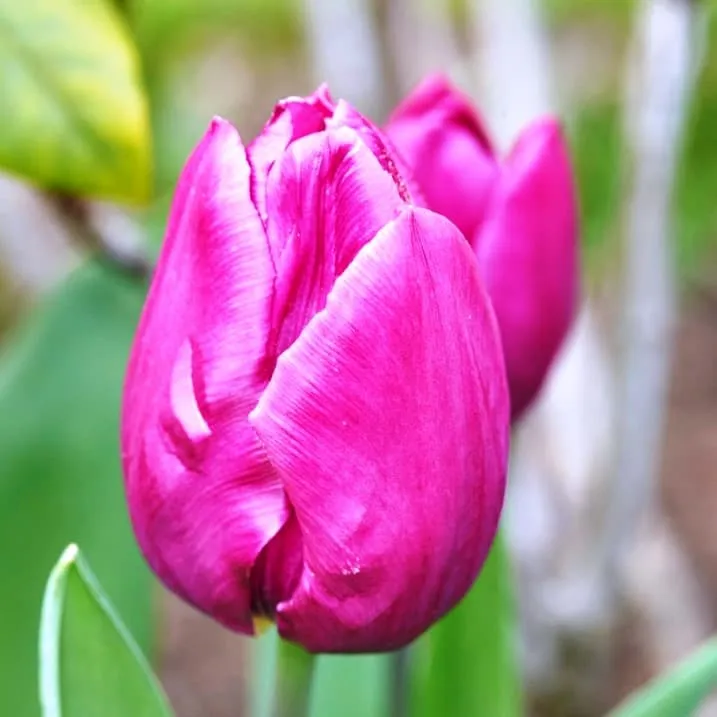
[
  {"x": 439, "y": 135},
  {"x": 528, "y": 254},
  {"x": 203, "y": 497},
  {"x": 388, "y": 422},
  {"x": 327, "y": 197}
]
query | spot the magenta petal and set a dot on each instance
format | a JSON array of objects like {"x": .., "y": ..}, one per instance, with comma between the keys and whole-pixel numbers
[
  {"x": 443, "y": 141},
  {"x": 344, "y": 115},
  {"x": 528, "y": 254},
  {"x": 388, "y": 421},
  {"x": 293, "y": 117},
  {"x": 327, "y": 196},
  {"x": 203, "y": 497}
]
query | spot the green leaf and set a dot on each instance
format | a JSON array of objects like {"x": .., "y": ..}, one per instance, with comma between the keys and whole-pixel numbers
[
  {"x": 60, "y": 387},
  {"x": 74, "y": 113},
  {"x": 467, "y": 664},
  {"x": 89, "y": 663},
  {"x": 679, "y": 692}
]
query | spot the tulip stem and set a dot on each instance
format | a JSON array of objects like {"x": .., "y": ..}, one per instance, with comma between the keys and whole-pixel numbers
[
  {"x": 399, "y": 683},
  {"x": 292, "y": 683}
]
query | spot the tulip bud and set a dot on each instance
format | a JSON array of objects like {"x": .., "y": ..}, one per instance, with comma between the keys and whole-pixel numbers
[
  {"x": 520, "y": 217},
  {"x": 315, "y": 418}
]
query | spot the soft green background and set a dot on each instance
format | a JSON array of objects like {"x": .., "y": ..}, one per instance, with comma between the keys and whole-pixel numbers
[{"x": 60, "y": 383}]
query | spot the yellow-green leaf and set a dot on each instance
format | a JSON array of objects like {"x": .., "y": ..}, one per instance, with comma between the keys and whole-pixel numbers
[{"x": 74, "y": 114}]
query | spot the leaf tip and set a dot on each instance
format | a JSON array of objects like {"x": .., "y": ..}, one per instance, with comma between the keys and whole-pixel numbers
[{"x": 69, "y": 556}]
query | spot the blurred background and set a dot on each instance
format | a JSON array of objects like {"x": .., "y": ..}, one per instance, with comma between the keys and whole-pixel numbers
[{"x": 613, "y": 489}]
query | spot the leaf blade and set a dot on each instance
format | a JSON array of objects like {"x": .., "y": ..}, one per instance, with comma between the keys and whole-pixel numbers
[
  {"x": 89, "y": 662},
  {"x": 679, "y": 692},
  {"x": 75, "y": 115}
]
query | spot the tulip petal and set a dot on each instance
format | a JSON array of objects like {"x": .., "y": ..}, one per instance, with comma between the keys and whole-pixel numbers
[
  {"x": 327, "y": 196},
  {"x": 344, "y": 115},
  {"x": 293, "y": 118},
  {"x": 438, "y": 134},
  {"x": 528, "y": 254},
  {"x": 387, "y": 420},
  {"x": 197, "y": 368}
]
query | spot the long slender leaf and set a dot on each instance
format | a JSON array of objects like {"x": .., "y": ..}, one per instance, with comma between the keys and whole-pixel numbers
[{"x": 679, "y": 692}]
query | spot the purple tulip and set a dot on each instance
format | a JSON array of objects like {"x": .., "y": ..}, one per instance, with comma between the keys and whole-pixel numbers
[
  {"x": 316, "y": 417},
  {"x": 519, "y": 215}
]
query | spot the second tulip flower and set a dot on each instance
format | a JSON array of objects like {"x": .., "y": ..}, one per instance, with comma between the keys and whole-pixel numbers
[{"x": 519, "y": 215}]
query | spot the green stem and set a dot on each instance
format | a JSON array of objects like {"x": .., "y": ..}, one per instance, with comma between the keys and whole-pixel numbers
[
  {"x": 399, "y": 683},
  {"x": 292, "y": 681}
]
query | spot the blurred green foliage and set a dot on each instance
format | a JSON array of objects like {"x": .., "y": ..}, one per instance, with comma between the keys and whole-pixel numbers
[
  {"x": 75, "y": 116},
  {"x": 60, "y": 384},
  {"x": 598, "y": 158},
  {"x": 696, "y": 200},
  {"x": 618, "y": 12},
  {"x": 166, "y": 27},
  {"x": 170, "y": 31}
]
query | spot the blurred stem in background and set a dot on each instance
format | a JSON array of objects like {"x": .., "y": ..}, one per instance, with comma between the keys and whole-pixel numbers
[
  {"x": 124, "y": 254},
  {"x": 293, "y": 676},
  {"x": 399, "y": 683}
]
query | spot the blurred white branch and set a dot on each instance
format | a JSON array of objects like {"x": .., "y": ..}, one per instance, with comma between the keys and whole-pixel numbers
[
  {"x": 345, "y": 52},
  {"x": 558, "y": 467},
  {"x": 640, "y": 552},
  {"x": 422, "y": 38},
  {"x": 514, "y": 64},
  {"x": 664, "y": 61}
]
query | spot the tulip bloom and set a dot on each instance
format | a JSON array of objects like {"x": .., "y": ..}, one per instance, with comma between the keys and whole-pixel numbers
[
  {"x": 519, "y": 215},
  {"x": 315, "y": 419}
]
